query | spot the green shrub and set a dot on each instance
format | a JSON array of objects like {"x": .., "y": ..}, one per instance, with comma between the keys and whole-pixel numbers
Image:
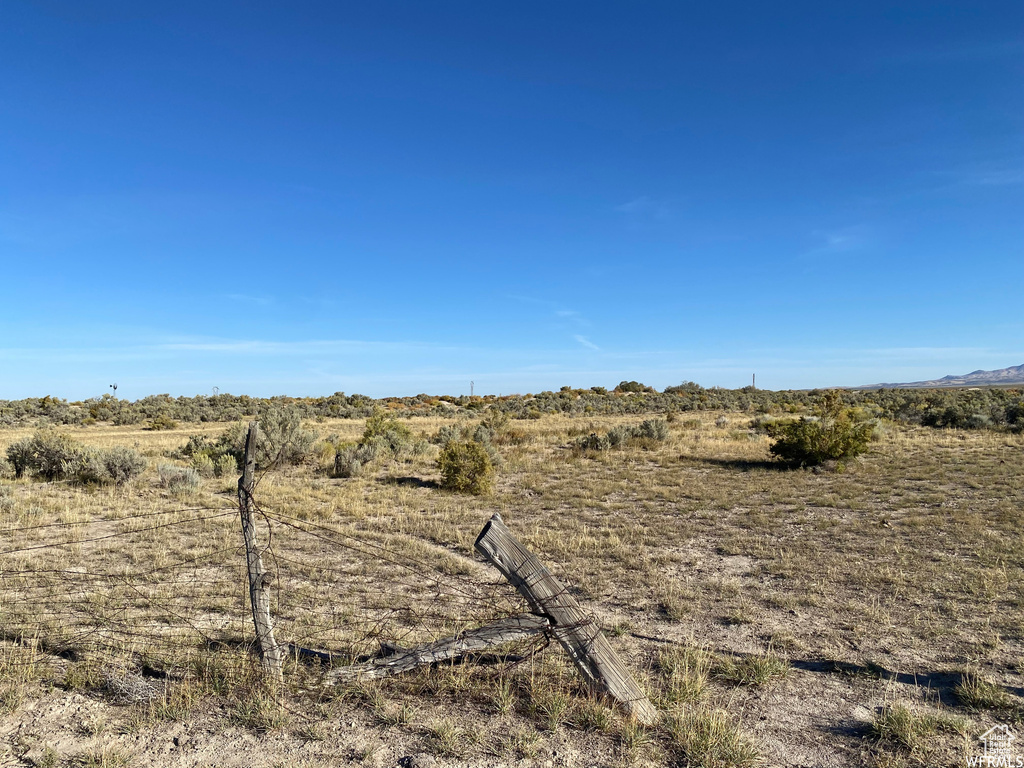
[
  {"x": 6, "y": 469},
  {"x": 51, "y": 455},
  {"x": 225, "y": 466},
  {"x": 633, "y": 386},
  {"x": 203, "y": 464},
  {"x": 832, "y": 434},
  {"x": 387, "y": 434},
  {"x": 496, "y": 424},
  {"x": 592, "y": 442},
  {"x": 225, "y": 452},
  {"x": 89, "y": 469},
  {"x": 765, "y": 423},
  {"x": 466, "y": 467},
  {"x": 384, "y": 437},
  {"x": 619, "y": 436},
  {"x": 350, "y": 460},
  {"x": 162, "y": 421},
  {"x": 375, "y": 448},
  {"x": 123, "y": 464},
  {"x": 282, "y": 440},
  {"x": 19, "y": 454}
]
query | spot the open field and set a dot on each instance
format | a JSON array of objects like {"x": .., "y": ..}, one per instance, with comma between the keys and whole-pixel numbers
[{"x": 870, "y": 614}]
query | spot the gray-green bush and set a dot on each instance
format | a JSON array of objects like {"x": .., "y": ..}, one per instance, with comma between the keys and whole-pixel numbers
[
  {"x": 651, "y": 430},
  {"x": 180, "y": 481},
  {"x": 55, "y": 455},
  {"x": 283, "y": 440},
  {"x": 52, "y": 455},
  {"x": 123, "y": 464},
  {"x": 383, "y": 438},
  {"x": 89, "y": 469}
]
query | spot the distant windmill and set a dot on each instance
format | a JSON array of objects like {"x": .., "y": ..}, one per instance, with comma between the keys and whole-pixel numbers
[
  {"x": 216, "y": 391},
  {"x": 114, "y": 387}
]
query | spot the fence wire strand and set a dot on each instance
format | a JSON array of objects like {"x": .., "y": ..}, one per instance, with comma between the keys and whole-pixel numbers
[{"x": 115, "y": 588}]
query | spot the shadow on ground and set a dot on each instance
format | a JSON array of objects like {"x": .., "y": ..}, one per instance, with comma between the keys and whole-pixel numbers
[
  {"x": 743, "y": 465},
  {"x": 409, "y": 482}
]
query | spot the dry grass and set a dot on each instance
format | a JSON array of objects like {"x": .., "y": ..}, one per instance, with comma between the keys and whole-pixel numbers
[{"x": 722, "y": 575}]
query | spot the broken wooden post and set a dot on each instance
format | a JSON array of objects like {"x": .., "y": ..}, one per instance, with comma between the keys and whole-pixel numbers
[
  {"x": 259, "y": 579},
  {"x": 463, "y": 644},
  {"x": 575, "y": 629}
]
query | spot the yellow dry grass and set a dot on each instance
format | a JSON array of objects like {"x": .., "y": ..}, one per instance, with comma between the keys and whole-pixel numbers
[{"x": 905, "y": 562}]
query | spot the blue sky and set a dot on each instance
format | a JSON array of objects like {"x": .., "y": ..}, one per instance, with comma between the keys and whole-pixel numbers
[{"x": 392, "y": 198}]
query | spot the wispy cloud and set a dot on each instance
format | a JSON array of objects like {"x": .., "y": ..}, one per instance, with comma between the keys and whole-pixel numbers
[
  {"x": 244, "y": 298},
  {"x": 566, "y": 316},
  {"x": 840, "y": 240},
  {"x": 644, "y": 207},
  {"x": 587, "y": 343},
  {"x": 953, "y": 53},
  {"x": 300, "y": 347},
  {"x": 252, "y": 348},
  {"x": 989, "y": 177}
]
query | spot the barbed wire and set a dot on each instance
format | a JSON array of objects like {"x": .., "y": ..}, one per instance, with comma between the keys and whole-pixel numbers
[{"x": 353, "y": 596}]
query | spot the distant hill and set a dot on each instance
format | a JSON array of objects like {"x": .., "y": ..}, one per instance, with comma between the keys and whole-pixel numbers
[{"x": 1001, "y": 378}]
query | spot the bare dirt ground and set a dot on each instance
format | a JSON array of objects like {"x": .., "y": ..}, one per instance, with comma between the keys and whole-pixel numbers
[{"x": 870, "y": 614}]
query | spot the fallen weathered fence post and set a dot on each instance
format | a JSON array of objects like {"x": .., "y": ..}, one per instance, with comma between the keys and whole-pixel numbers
[
  {"x": 259, "y": 579},
  {"x": 574, "y": 628},
  {"x": 402, "y": 660}
]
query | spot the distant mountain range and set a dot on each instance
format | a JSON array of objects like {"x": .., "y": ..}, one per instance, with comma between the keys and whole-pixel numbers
[{"x": 1001, "y": 378}]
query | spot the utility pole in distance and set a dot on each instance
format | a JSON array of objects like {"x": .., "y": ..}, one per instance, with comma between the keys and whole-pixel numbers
[
  {"x": 471, "y": 389},
  {"x": 753, "y": 381}
]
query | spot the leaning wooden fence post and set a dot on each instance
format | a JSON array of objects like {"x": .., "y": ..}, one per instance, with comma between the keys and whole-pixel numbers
[
  {"x": 259, "y": 579},
  {"x": 574, "y": 628}
]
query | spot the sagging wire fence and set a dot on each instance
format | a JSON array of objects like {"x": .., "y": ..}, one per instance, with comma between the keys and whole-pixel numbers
[
  {"x": 162, "y": 592},
  {"x": 158, "y": 590}
]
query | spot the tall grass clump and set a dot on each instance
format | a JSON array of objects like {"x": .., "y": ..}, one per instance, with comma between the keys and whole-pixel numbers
[
  {"x": 709, "y": 738},
  {"x": 7, "y": 503}
]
